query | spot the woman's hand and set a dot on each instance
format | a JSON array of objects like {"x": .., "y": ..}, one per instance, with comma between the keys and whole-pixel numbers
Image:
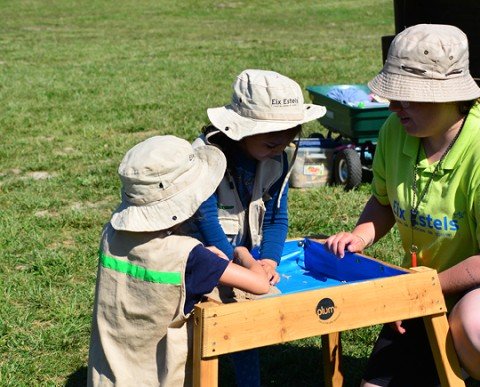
[
  {"x": 397, "y": 327},
  {"x": 342, "y": 241}
]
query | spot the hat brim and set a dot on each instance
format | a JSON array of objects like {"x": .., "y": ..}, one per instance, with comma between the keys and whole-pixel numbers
[
  {"x": 164, "y": 214},
  {"x": 398, "y": 87},
  {"x": 237, "y": 127}
]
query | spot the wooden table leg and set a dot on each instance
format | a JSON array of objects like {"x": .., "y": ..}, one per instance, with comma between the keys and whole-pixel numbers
[
  {"x": 332, "y": 352},
  {"x": 443, "y": 350},
  {"x": 205, "y": 371}
]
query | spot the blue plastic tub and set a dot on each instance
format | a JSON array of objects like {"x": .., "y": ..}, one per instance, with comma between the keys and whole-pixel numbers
[{"x": 308, "y": 265}]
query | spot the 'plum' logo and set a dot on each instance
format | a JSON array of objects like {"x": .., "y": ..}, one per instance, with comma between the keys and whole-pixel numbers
[{"x": 325, "y": 308}]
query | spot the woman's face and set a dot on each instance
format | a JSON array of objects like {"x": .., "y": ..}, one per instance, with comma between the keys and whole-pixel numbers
[
  {"x": 264, "y": 146},
  {"x": 425, "y": 119}
]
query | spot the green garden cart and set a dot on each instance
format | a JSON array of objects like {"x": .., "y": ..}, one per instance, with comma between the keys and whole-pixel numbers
[{"x": 352, "y": 131}]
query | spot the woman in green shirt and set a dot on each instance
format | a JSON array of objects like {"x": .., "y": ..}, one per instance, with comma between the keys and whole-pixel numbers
[{"x": 426, "y": 181}]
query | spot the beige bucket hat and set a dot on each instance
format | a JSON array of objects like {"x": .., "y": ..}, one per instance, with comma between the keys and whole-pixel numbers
[
  {"x": 164, "y": 181},
  {"x": 427, "y": 63},
  {"x": 263, "y": 102}
]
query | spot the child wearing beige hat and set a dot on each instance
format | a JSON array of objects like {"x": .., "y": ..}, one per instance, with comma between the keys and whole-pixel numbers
[
  {"x": 426, "y": 182},
  {"x": 249, "y": 207},
  {"x": 150, "y": 275}
]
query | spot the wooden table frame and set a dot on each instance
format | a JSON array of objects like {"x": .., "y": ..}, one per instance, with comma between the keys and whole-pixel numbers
[{"x": 224, "y": 328}]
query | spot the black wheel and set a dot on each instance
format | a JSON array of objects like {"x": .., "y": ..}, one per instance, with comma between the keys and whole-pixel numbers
[{"x": 347, "y": 168}]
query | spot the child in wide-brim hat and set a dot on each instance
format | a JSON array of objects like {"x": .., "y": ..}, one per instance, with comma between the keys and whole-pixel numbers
[
  {"x": 150, "y": 275},
  {"x": 264, "y": 116},
  {"x": 249, "y": 207}
]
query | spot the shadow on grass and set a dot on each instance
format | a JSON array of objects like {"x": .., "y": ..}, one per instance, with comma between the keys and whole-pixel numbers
[
  {"x": 294, "y": 365},
  {"x": 282, "y": 365},
  {"x": 78, "y": 378}
]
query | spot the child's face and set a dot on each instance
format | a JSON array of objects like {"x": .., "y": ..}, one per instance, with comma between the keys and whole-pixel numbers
[{"x": 264, "y": 146}]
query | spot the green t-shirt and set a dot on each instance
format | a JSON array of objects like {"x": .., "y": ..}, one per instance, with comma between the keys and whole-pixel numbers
[{"x": 448, "y": 219}]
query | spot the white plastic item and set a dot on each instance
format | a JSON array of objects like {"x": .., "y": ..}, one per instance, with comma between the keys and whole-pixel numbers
[{"x": 311, "y": 168}]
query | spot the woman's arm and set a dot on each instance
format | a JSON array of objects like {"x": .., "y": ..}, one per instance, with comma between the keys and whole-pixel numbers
[
  {"x": 461, "y": 277},
  {"x": 465, "y": 275}
]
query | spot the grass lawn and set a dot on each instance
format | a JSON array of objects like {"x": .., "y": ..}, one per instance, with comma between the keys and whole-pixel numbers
[{"x": 83, "y": 81}]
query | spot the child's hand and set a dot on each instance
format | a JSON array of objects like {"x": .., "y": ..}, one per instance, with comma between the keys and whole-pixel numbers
[
  {"x": 217, "y": 252},
  {"x": 270, "y": 267},
  {"x": 242, "y": 256}
]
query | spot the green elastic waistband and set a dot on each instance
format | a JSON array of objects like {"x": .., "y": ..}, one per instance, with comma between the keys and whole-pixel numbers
[{"x": 171, "y": 278}]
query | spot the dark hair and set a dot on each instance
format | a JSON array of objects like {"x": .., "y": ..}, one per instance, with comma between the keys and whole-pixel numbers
[
  {"x": 295, "y": 130},
  {"x": 218, "y": 138},
  {"x": 227, "y": 145},
  {"x": 465, "y": 106}
]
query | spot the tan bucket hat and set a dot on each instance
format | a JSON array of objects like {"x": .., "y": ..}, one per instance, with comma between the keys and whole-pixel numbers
[
  {"x": 164, "y": 181},
  {"x": 427, "y": 63},
  {"x": 263, "y": 102}
]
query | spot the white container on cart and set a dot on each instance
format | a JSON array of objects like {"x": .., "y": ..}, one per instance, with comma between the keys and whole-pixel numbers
[{"x": 312, "y": 165}]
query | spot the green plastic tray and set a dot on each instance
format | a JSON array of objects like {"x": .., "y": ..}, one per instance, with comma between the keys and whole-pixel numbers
[{"x": 360, "y": 124}]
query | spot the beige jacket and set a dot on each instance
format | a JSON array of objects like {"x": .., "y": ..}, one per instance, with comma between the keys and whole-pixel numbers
[{"x": 140, "y": 335}]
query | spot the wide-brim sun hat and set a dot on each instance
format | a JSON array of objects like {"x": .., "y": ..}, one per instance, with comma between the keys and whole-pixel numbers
[
  {"x": 164, "y": 182},
  {"x": 263, "y": 102},
  {"x": 427, "y": 63}
]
